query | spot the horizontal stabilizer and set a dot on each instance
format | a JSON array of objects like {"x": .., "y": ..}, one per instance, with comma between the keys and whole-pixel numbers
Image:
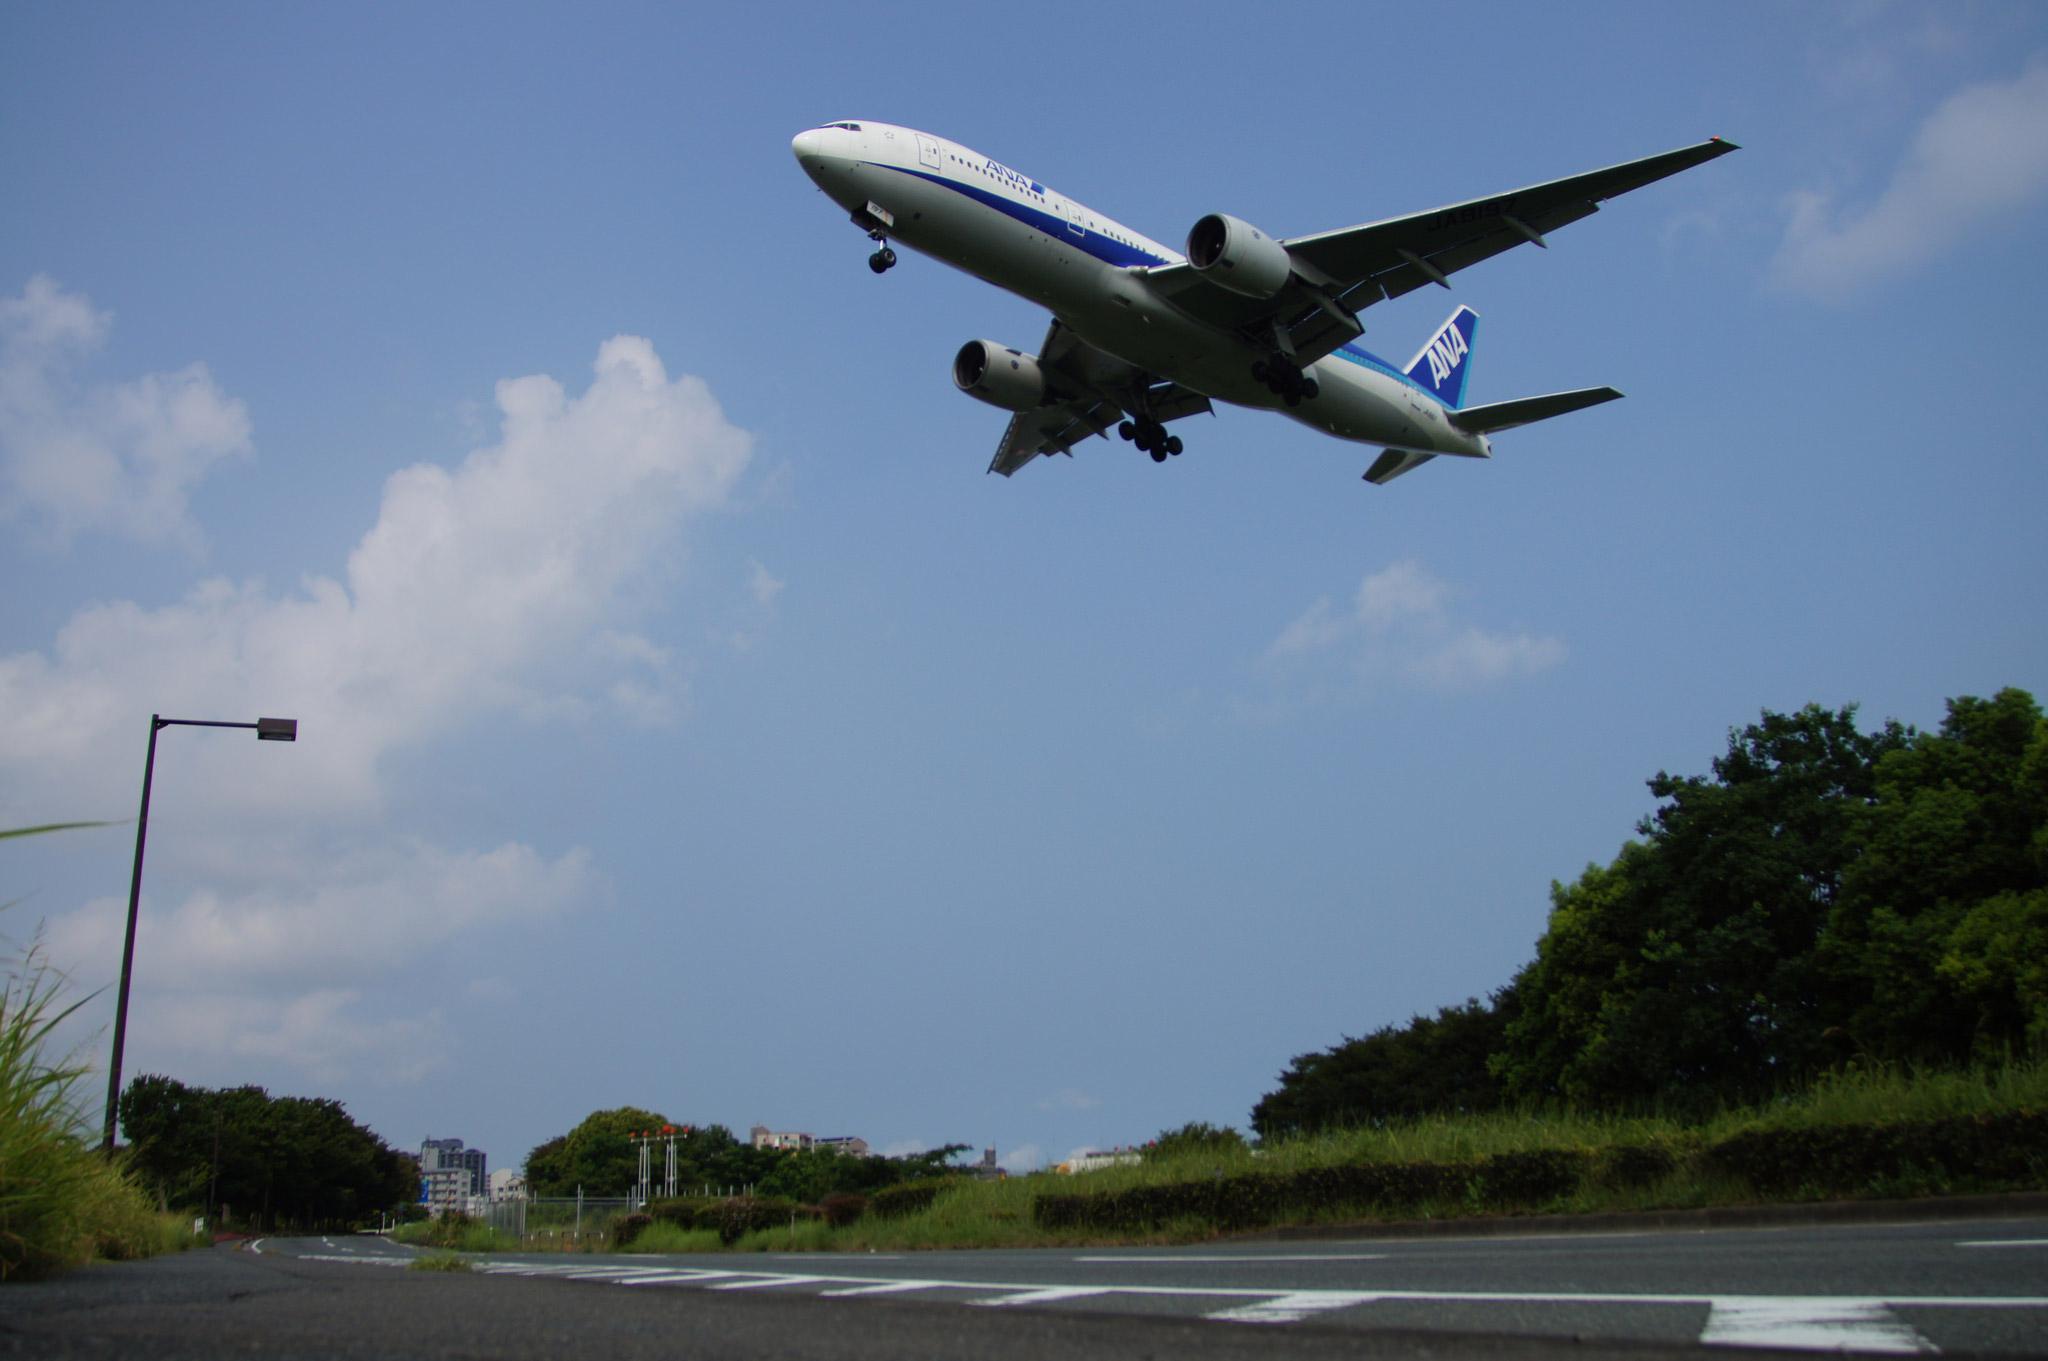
[
  {"x": 1393, "y": 463},
  {"x": 1484, "y": 420}
]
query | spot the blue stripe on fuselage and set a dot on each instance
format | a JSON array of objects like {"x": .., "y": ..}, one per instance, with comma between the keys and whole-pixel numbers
[
  {"x": 1365, "y": 359},
  {"x": 1107, "y": 249}
]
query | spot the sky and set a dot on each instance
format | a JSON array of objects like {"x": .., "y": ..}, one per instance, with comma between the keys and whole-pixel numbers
[{"x": 687, "y": 720}]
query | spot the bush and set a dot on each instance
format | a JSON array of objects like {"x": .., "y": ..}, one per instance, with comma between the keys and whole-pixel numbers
[
  {"x": 843, "y": 1208},
  {"x": 1904, "y": 1157},
  {"x": 1633, "y": 1166},
  {"x": 628, "y": 1228},
  {"x": 738, "y": 1216},
  {"x": 894, "y": 1202},
  {"x": 1533, "y": 1177}
]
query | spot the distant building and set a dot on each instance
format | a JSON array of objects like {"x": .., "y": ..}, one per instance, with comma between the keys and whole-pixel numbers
[
  {"x": 1095, "y": 1162},
  {"x": 764, "y": 1137},
  {"x": 507, "y": 1184},
  {"x": 451, "y": 1176},
  {"x": 986, "y": 1169}
]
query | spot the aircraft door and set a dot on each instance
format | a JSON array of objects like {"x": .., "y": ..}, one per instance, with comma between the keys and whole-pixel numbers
[
  {"x": 1071, "y": 211},
  {"x": 927, "y": 152}
]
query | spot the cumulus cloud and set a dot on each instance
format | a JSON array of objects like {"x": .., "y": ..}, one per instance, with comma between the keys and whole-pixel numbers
[
  {"x": 1399, "y": 628},
  {"x": 1069, "y": 1099},
  {"x": 119, "y": 459},
  {"x": 358, "y": 914},
  {"x": 1983, "y": 152},
  {"x": 504, "y": 587}
]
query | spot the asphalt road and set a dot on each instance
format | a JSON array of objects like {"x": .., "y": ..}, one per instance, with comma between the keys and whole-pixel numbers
[{"x": 1973, "y": 1287}]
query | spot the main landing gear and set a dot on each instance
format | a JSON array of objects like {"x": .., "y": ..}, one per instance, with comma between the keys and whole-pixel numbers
[
  {"x": 1151, "y": 437},
  {"x": 1289, "y": 384}
]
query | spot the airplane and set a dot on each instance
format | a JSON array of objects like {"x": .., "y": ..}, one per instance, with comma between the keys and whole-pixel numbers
[{"x": 1143, "y": 335}]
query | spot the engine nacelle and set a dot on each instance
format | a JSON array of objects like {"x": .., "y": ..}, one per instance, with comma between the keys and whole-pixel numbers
[
  {"x": 999, "y": 375},
  {"x": 1233, "y": 254}
]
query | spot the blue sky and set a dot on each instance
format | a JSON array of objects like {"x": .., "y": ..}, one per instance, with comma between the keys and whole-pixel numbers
[{"x": 686, "y": 718}]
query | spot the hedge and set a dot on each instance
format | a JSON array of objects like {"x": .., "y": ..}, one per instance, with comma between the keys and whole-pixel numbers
[
  {"x": 1962, "y": 1153},
  {"x": 894, "y": 1202}
]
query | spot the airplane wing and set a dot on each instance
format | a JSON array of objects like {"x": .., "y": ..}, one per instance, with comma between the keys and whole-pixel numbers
[
  {"x": 1090, "y": 390},
  {"x": 1341, "y": 273}
]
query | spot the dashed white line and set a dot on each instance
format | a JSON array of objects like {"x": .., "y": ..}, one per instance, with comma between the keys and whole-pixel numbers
[
  {"x": 2006, "y": 1243},
  {"x": 1052, "y": 1294},
  {"x": 1292, "y": 1308}
]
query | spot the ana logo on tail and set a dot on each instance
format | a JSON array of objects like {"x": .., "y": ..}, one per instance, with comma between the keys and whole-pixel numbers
[{"x": 1443, "y": 354}]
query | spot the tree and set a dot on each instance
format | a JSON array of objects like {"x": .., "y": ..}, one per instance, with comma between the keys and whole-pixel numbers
[
  {"x": 1951, "y": 852},
  {"x": 297, "y": 1161},
  {"x": 1434, "y": 1063},
  {"x": 1689, "y": 969},
  {"x": 598, "y": 1157}
]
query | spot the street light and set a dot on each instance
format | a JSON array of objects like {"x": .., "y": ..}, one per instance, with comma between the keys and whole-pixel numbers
[{"x": 267, "y": 730}]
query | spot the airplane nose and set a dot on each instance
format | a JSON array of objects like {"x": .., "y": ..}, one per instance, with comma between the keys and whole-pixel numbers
[{"x": 809, "y": 142}]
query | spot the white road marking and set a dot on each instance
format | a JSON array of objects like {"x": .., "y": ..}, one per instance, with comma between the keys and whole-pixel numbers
[
  {"x": 768, "y": 1282},
  {"x": 883, "y": 1288},
  {"x": 1816, "y": 1323},
  {"x": 356, "y": 1260},
  {"x": 1822, "y": 1322},
  {"x": 1050, "y": 1295},
  {"x": 2006, "y": 1243},
  {"x": 1292, "y": 1308},
  {"x": 1249, "y": 1257}
]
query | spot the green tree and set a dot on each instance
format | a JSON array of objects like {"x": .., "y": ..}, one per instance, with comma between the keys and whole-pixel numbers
[
  {"x": 598, "y": 1156},
  {"x": 1950, "y": 851},
  {"x": 293, "y": 1161},
  {"x": 1433, "y": 1063},
  {"x": 1690, "y": 969}
]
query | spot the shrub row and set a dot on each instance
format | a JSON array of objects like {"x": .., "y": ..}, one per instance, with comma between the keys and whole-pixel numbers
[
  {"x": 732, "y": 1217},
  {"x": 1960, "y": 1153},
  {"x": 1992, "y": 1152},
  {"x": 894, "y": 1202}
]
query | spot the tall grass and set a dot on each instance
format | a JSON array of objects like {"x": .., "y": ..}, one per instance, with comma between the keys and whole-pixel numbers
[{"x": 61, "y": 1202}]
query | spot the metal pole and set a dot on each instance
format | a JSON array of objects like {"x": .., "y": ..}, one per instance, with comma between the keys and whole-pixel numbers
[{"x": 128, "y": 950}]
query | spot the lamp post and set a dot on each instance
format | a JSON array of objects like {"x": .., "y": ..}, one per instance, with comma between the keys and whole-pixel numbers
[{"x": 267, "y": 730}]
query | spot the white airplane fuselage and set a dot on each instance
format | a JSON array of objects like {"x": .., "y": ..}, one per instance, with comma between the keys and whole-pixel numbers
[{"x": 972, "y": 212}]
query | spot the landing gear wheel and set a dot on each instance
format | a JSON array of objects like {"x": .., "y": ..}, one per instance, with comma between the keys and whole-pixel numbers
[
  {"x": 1259, "y": 371},
  {"x": 1158, "y": 454},
  {"x": 1310, "y": 388},
  {"x": 881, "y": 260},
  {"x": 1127, "y": 431},
  {"x": 1173, "y": 444}
]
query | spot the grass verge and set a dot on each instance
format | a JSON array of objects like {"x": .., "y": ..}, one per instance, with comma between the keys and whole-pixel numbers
[{"x": 61, "y": 1203}]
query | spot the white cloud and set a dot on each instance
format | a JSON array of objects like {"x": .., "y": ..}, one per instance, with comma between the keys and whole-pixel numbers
[
  {"x": 350, "y": 916},
  {"x": 763, "y": 585},
  {"x": 322, "y": 1033},
  {"x": 501, "y": 586},
  {"x": 119, "y": 459},
  {"x": 1982, "y": 152},
  {"x": 1024, "y": 1158},
  {"x": 504, "y": 587},
  {"x": 1399, "y": 628},
  {"x": 1069, "y": 1099}
]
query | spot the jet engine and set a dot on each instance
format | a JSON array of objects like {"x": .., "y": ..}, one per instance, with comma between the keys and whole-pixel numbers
[
  {"x": 999, "y": 375},
  {"x": 1234, "y": 254}
]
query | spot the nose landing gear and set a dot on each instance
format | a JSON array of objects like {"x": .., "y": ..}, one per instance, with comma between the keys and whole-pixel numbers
[{"x": 883, "y": 258}]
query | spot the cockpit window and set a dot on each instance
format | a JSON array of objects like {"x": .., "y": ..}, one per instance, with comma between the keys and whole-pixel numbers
[{"x": 850, "y": 127}]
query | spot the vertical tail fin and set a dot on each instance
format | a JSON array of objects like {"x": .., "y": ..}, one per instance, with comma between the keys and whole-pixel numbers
[{"x": 1442, "y": 364}]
